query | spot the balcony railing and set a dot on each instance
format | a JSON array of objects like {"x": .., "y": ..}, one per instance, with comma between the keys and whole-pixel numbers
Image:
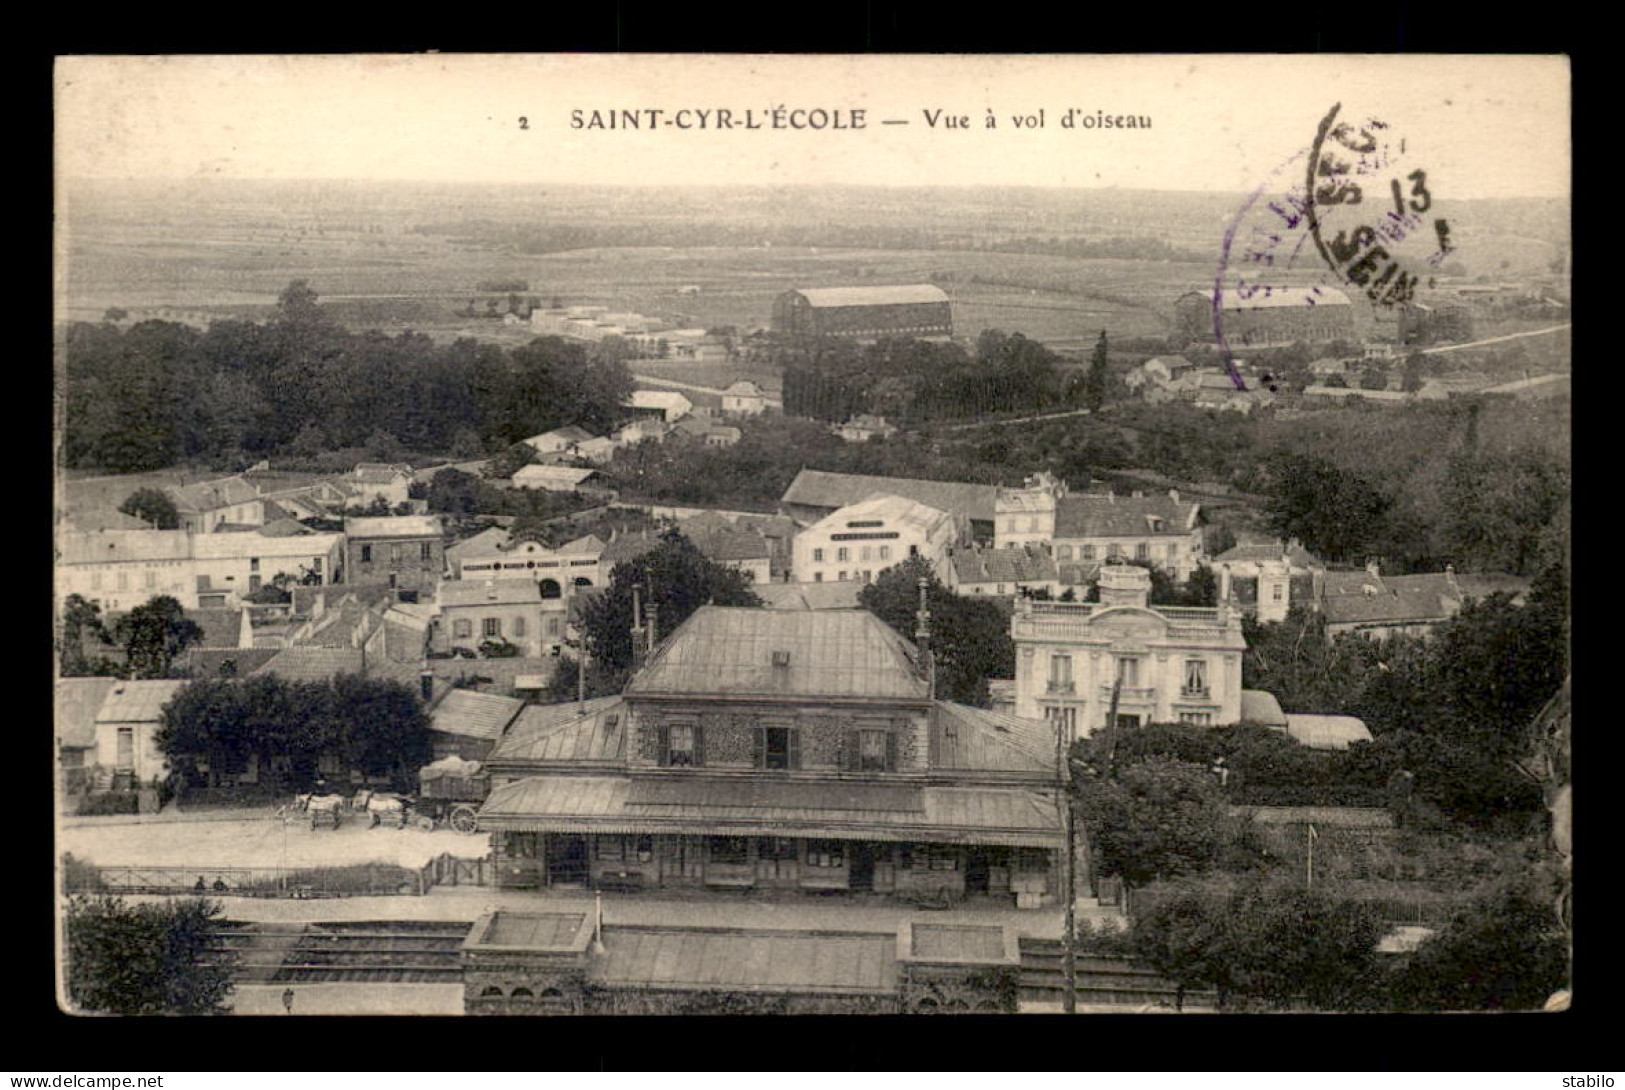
[
  {"x": 1188, "y": 693},
  {"x": 1058, "y": 686},
  {"x": 1137, "y": 694}
]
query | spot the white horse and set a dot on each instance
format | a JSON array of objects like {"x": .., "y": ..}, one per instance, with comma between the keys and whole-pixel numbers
[{"x": 381, "y": 807}]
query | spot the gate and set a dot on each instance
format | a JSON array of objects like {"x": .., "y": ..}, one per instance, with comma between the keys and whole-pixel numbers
[{"x": 448, "y": 870}]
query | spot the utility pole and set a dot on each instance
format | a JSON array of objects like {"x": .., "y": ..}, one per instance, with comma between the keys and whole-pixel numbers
[
  {"x": 1309, "y": 863},
  {"x": 1069, "y": 963}
]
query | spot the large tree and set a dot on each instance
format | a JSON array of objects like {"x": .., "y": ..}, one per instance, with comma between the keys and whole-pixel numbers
[
  {"x": 1335, "y": 512},
  {"x": 1271, "y": 946},
  {"x": 145, "y": 959},
  {"x": 1094, "y": 383},
  {"x": 153, "y": 635},
  {"x": 970, "y": 637},
  {"x": 677, "y": 579},
  {"x": 1155, "y": 818},
  {"x": 152, "y": 505},
  {"x": 1504, "y": 951},
  {"x": 81, "y": 618}
]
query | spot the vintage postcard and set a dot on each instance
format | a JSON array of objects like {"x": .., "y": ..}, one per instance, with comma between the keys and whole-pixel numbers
[{"x": 639, "y": 534}]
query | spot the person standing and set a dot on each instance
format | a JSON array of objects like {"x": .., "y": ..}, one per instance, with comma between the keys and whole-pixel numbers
[{"x": 287, "y": 1000}]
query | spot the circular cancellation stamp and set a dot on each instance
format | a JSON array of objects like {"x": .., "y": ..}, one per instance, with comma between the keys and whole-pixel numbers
[{"x": 1352, "y": 218}]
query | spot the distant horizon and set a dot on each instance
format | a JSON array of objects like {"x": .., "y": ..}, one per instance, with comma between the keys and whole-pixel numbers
[{"x": 725, "y": 185}]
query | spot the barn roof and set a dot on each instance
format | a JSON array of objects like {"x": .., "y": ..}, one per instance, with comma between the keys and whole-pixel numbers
[
  {"x": 818, "y": 488},
  {"x": 829, "y": 653},
  {"x": 880, "y": 295}
]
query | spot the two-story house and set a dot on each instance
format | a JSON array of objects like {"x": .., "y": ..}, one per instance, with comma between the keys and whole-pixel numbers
[
  {"x": 744, "y": 398},
  {"x": 1162, "y": 529},
  {"x": 858, "y": 542},
  {"x": 408, "y": 552},
  {"x": 371, "y": 481},
  {"x": 777, "y": 749},
  {"x": 499, "y": 611},
  {"x": 1159, "y": 664}
]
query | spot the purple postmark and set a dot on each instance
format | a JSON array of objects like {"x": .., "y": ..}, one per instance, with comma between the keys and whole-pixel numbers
[{"x": 1352, "y": 213}]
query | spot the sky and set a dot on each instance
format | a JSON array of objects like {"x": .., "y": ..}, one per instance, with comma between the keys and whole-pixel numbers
[{"x": 1483, "y": 126}]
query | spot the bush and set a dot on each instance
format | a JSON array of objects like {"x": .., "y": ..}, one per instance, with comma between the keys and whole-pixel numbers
[
  {"x": 104, "y": 803},
  {"x": 81, "y": 876},
  {"x": 358, "y": 879}
]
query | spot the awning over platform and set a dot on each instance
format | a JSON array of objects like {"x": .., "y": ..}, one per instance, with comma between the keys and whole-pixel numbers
[{"x": 1006, "y": 816}]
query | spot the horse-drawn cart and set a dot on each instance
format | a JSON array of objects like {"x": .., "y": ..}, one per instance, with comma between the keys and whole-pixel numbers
[{"x": 451, "y": 791}]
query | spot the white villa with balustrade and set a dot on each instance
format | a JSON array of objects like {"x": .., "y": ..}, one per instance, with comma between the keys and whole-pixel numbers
[{"x": 1168, "y": 664}]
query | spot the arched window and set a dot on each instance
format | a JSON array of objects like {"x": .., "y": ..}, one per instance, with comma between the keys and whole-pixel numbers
[
  {"x": 550, "y": 589},
  {"x": 583, "y": 581},
  {"x": 551, "y": 993},
  {"x": 493, "y": 990},
  {"x": 521, "y": 993}
]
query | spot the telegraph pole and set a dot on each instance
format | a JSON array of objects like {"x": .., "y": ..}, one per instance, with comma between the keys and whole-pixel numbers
[{"x": 1069, "y": 964}]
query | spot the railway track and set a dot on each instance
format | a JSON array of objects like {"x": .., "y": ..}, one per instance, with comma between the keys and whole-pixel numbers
[{"x": 414, "y": 952}]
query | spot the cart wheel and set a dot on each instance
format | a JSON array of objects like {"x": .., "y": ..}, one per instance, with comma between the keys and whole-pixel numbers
[
  {"x": 426, "y": 824},
  {"x": 464, "y": 820}
]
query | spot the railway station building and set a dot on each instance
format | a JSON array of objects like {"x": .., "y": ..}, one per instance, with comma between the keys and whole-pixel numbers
[{"x": 787, "y": 750}]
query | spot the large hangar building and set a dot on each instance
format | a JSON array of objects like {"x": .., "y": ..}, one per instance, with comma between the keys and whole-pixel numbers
[
  {"x": 903, "y": 310},
  {"x": 1270, "y": 317}
]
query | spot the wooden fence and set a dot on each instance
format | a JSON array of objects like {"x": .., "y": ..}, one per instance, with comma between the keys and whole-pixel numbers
[{"x": 357, "y": 880}]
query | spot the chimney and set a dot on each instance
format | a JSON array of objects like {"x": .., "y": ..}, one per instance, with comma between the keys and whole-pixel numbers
[
  {"x": 426, "y": 685},
  {"x": 1173, "y": 494},
  {"x": 922, "y": 637},
  {"x": 654, "y": 626},
  {"x": 637, "y": 626}
]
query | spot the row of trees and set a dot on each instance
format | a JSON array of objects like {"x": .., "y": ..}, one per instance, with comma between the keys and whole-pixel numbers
[
  {"x": 911, "y": 380},
  {"x": 374, "y": 725},
  {"x": 1274, "y": 946},
  {"x": 159, "y": 393}
]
